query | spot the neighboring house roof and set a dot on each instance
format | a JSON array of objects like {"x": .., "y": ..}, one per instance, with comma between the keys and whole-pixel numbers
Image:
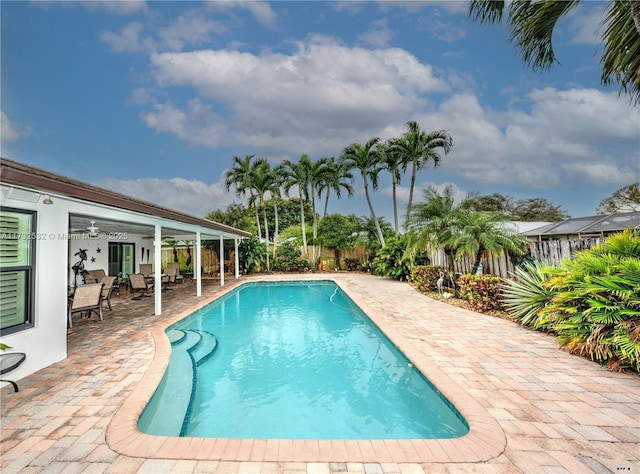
[
  {"x": 18, "y": 174},
  {"x": 589, "y": 225}
]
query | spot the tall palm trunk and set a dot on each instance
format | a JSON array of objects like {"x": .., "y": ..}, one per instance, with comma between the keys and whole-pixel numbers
[
  {"x": 304, "y": 230},
  {"x": 414, "y": 173},
  {"x": 373, "y": 214},
  {"x": 394, "y": 186},
  {"x": 315, "y": 225},
  {"x": 326, "y": 203},
  {"x": 276, "y": 232},
  {"x": 266, "y": 229}
]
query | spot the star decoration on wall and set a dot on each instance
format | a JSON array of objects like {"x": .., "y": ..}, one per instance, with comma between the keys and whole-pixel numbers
[
  {"x": 98, "y": 250},
  {"x": 93, "y": 259}
]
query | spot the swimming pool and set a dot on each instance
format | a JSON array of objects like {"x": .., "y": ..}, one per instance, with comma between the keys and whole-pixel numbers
[{"x": 294, "y": 360}]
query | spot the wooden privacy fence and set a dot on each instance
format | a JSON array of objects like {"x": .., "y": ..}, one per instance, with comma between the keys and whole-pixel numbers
[
  {"x": 209, "y": 259},
  {"x": 552, "y": 252}
]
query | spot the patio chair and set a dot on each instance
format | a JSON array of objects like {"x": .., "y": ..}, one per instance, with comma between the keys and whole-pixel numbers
[
  {"x": 86, "y": 299},
  {"x": 141, "y": 285},
  {"x": 173, "y": 272},
  {"x": 146, "y": 269},
  {"x": 9, "y": 362},
  {"x": 107, "y": 289},
  {"x": 94, "y": 276}
]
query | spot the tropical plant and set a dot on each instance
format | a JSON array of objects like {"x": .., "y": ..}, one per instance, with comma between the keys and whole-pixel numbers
[
  {"x": 595, "y": 308},
  {"x": 288, "y": 259},
  {"x": 335, "y": 177},
  {"x": 252, "y": 254},
  {"x": 482, "y": 292},
  {"x": 240, "y": 177},
  {"x": 368, "y": 160},
  {"x": 417, "y": 148},
  {"x": 532, "y": 23},
  {"x": 297, "y": 174},
  {"x": 525, "y": 295},
  {"x": 391, "y": 260},
  {"x": 435, "y": 224},
  {"x": 393, "y": 164},
  {"x": 338, "y": 232},
  {"x": 425, "y": 277},
  {"x": 485, "y": 233},
  {"x": 368, "y": 233}
]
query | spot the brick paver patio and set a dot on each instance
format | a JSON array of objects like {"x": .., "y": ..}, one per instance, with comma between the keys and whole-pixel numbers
[{"x": 531, "y": 407}]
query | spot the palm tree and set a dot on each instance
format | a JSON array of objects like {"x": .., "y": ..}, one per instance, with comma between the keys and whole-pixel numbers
[
  {"x": 262, "y": 182},
  {"x": 483, "y": 233},
  {"x": 393, "y": 164},
  {"x": 297, "y": 174},
  {"x": 239, "y": 176},
  {"x": 435, "y": 224},
  {"x": 368, "y": 160},
  {"x": 336, "y": 177},
  {"x": 418, "y": 148},
  {"x": 532, "y": 24}
]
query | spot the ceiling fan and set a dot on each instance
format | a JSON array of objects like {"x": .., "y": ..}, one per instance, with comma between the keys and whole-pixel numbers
[{"x": 92, "y": 230}]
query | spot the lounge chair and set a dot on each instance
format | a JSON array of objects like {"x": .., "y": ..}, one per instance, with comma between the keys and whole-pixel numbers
[
  {"x": 146, "y": 269},
  {"x": 141, "y": 285},
  {"x": 86, "y": 299},
  {"x": 9, "y": 362},
  {"x": 107, "y": 289}
]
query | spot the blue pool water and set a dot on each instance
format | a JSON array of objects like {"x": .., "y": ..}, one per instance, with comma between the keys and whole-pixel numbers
[{"x": 292, "y": 360}]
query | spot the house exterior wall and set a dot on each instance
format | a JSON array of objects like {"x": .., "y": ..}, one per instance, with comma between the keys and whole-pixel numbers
[{"x": 46, "y": 342}]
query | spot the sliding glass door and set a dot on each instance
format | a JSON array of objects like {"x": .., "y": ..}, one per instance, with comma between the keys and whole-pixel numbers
[{"x": 122, "y": 259}]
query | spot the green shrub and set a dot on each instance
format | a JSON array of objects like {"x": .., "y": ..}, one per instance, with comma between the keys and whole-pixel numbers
[
  {"x": 391, "y": 262},
  {"x": 288, "y": 259},
  {"x": 483, "y": 292},
  {"x": 425, "y": 277},
  {"x": 352, "y": 264},
  {"x": 524, "y": 296},
  {"x": 595, "y": 307},
  {"x": 253, "y": 254}
]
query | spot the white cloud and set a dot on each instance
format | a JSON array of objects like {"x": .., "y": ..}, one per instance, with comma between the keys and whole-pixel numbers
[
  {"x": 379, "y": 35},
  {"x": 191, "y": 28},
  {"x": 318, "y": 99},
  {"x": 120, "y": 7},
  {"x": 191, "y": 196},
  {"x": 564, "y": 138},
  {"x": 128, "y": 39},
  {"x": 198, "y": 124},
  {"x": 261, "y": 10},
  {"x": 10, "y": 131},
  {"x": 585, "y": 23}
]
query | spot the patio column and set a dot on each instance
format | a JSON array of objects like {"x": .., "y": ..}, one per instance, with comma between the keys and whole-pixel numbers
[
  {"x": 221, "y": 261},
  {"x": 237, "y": 258},
  {"x": 157, "y": 264},
  {"x": 196, "y": 270}
]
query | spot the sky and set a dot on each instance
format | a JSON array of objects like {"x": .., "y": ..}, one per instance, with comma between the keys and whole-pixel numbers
[{"x": 154, "y": 99}]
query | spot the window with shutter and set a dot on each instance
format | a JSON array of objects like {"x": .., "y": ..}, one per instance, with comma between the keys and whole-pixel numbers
[{"x": 17, "y": 247}]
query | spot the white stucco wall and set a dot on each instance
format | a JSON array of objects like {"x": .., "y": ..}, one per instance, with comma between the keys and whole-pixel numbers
[{"x": 46, "y": 342}]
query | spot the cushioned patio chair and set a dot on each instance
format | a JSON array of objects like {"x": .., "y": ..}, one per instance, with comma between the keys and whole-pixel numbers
[
  {"x": 87, "y": 299},
  {"x": 140, "y": 285},
  {"x": 107, "y": 289},
  {"x": 9, "y": 362}
]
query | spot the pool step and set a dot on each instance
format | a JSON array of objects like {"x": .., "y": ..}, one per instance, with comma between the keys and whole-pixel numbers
[
  {"x": 205, "y": 348},
  {"x": 168, "y": 410}
]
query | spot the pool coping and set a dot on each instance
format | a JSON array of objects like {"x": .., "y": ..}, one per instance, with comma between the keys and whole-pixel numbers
[{"x": 484, "y": 441}]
